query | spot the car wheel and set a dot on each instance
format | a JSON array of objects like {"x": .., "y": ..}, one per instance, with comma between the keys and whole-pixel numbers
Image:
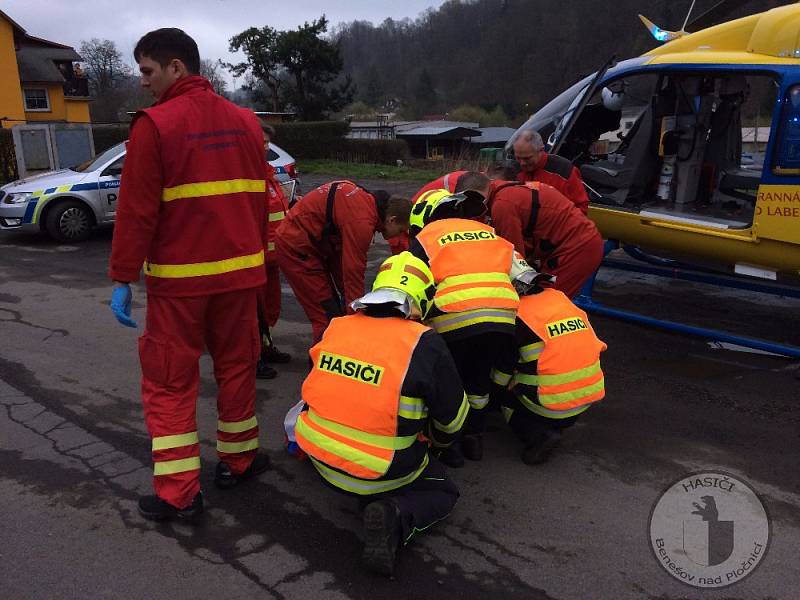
[{"x": 69, "y": 221}]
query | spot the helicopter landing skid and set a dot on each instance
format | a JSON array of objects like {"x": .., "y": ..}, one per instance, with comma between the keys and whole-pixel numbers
[{"x": 669, "y": 268}]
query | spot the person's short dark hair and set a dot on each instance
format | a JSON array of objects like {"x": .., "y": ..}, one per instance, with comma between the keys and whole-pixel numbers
[
  {"x": 268, "y": 129},
  {"x": 166, "y": 44},
  {"x": 398, "y": 207},
  {"x": 471, "y": 180},
  {"x": 507, "y": 170}
]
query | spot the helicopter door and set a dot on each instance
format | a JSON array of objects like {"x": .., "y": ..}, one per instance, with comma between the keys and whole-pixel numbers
[{"x": 778, "y": 205}]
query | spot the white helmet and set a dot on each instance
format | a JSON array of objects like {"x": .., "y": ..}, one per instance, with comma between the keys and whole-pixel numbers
[{"x": 613, "y": 100}]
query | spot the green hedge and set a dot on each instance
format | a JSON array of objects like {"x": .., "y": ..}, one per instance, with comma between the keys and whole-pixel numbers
[
  {"x": 8, "y": 158},
  {"x": 106, "y": 136},
  {"x": 382, "y": 152},
  {"x": 309, "y": 139}
]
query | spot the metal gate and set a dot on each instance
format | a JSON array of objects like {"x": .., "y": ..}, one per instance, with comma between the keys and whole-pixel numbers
[{"x": 51, "y": 146}]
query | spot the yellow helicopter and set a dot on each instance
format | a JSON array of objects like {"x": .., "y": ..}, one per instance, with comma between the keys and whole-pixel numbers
[
  {"x": 694, "y": 147},
  {"x": 693, "y": 150}
]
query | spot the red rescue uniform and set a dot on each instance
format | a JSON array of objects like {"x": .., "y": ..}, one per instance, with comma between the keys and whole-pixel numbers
[
  {"x": 545, "y": 226},
  {"x": 318, "y": 270},
  {"x": 192, "y": 204},
  {"x": 556, "y": 171},
  {"x": 447, "y": 182},
  {"x": 269, "y": 297}
]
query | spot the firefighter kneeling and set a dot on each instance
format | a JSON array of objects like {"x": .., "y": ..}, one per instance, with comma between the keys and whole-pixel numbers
[
  {"x": 552, "y": 373},
  {"x": 381, "y": 383}
]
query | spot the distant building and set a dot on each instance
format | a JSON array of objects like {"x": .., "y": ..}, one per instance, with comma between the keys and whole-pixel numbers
[
  {"x": 40, "y": 83},
  {"x": 275, "y": 117}
]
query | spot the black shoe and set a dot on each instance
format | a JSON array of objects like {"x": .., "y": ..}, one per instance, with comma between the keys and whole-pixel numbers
[
  {"x": 264, "y": 371},
  {"x": 452, "y": 456},
  {"x": 154, "y": 508},
  {"x": 225, "y": 478},
  {"x": 472, "y": 447},
  {"x": 271, "y": 354},
  {"x": 539, "y": 451},
  {"x": 381, "y": 536}
]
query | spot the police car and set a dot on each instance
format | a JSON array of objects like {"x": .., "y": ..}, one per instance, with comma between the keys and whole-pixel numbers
[{"x": 68, "y": 203}]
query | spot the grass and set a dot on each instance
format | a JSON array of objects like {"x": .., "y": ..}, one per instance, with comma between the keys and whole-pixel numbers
[{"x": 353, "y": 170}]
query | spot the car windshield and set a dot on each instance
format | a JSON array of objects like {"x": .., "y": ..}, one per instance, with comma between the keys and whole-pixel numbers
[{"x": 98, "y": 161}]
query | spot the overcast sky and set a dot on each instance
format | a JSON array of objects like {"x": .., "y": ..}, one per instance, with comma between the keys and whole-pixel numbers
[{"x": 210, "y": 22}]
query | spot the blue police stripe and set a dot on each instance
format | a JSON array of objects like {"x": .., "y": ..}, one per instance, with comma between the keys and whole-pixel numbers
[
  {"x": 104, "y": 185},
  {"x": 48, "y": 191},
  {"x": 28, "y": 218},
  {"x": 81, "y": 187}
]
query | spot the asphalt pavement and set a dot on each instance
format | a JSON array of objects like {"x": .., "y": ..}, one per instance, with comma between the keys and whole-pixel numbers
[{"x": 74, "y": 457}]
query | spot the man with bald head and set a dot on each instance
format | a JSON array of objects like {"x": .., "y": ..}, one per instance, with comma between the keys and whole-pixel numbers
[{"x": 556, "y": 171}]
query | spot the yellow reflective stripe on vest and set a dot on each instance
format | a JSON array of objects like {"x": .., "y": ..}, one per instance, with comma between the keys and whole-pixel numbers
[
  {"x": 341, "y": 449},
  {"x": 170, "y": 467},
  {"x": 277, "y": 216},
  {"x": 386, "y": 442},
  {"x": 474, "y": 278},
  {"x": 237, "y": 447},
  {"x": 366, "y": 486},
  {"x": 165, "y": 442},
  {"x": 572, "y": 394},
  {"x": 412, "y": 408},
  {"x": 217, "y": 267},
  {"x": 540, "y": 410},
  {"x": 453, "y": 321},
  {"x": 475, "y": 293},
  {"x": 237, "y": 426},
  {"x": 213, "y": 188},
  {"x": 457, "y": 423},
  {"x": 500, "y": 378},
  {"x": 570, "y": 377},
  {"x": 530, "y": 352}
]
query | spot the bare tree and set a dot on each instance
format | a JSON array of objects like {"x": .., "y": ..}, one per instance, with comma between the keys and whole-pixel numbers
[
  {"x": 211, "y": 70},
  {"x": 105, "y": 65}
]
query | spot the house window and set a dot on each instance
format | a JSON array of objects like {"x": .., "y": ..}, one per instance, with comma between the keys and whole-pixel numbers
[{"x": 36, "y": 99}]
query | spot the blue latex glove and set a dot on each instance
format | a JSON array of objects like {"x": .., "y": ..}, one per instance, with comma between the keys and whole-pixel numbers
[{"x": 121, "y": 298}]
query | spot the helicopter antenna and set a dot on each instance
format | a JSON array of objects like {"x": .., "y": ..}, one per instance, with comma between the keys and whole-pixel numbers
[{"x": 689, "y": 14}]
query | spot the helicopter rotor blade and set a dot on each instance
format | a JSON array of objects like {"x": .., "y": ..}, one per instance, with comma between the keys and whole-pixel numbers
[{"x": 714, "y": 14}]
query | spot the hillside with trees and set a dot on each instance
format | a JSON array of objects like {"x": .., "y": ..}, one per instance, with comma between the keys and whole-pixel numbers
[{"x": 506, "y": 56}]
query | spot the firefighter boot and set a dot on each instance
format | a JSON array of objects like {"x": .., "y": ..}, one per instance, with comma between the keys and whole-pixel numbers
[
  {"x": 381, "y": 536},
  {"x": 452, "y": 456},
  {"x": 154, "y": 508},
  {"x": 271, "y": 354},
  {"x": 539, "y": 451},
  {"x": 264, "y": 371},
  {"x": 224, "y": 478},
  {"x": 472, "y": 446}
]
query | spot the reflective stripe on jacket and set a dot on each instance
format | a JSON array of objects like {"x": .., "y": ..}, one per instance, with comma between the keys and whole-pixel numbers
[
  {"x": 210, "y": 236},
  {"x": 561, "y": 375},
  {"x": 352, "y": 428},
  {"x": 470, "y": 264}
]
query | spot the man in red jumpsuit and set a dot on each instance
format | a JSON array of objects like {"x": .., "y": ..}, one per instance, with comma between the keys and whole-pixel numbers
[
  {"x": 191, "y": 209},
  {"x": 456, "y": 181},
  {"x": 547, "y": 228},
  {"x": 556, "y": 171},
  {"x": 322, "y": 245},
  {"x": 269, "y": 297}
]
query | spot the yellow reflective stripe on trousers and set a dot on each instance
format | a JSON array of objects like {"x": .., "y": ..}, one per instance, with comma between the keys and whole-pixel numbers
[
  {"x": 530, "y": 352},
  {"x": 572, "y": 394},
  {"x": 165, "y": 442},
  {"x": 387, "y": 442},
  {"x": 412, "y": 408},
  {"x": 276, "y": 216},
  {"x": 458, "y": 422},
  {"x": 499, "y": 377},
  {"x": 217, "y": 267},
  {"x": 366, "y": 486},
  {"x": 453, "y": 321},
  {"x": 237, "y": 426},
  {"x": 474, "y": 278},
  {"x": 540, "y": 410},
  {"x": 237, "y": 447},
  {"x": 170, "y": 467},
  {"x": 477, "y": 402},
  {"x": 212, "y": 188},
  {"x": 475, "y": 293},
  {"x": 570, "y": 377},
  {"x": 341, "y": 449}
]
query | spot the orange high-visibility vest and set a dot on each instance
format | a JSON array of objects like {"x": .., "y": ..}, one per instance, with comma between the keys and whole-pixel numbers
[
  {"x": 353, "y": 394},
  {"x": 470, "y": 264},
  {"x": 568, "y": 375}
]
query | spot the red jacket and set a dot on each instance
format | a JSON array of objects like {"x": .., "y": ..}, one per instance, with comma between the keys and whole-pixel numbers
[
  {"x": 560, "y": 229},
  {"x": 355, "y": 215},
  {"x": 277, "y": 207},
  {"x": 559, "y": 173},
  {"x": 445, "y": 182},
  {"x": 191, "y": 204}
]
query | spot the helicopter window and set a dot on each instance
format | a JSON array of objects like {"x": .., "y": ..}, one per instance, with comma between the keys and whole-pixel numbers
[{"x": 787, "y": 153}]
